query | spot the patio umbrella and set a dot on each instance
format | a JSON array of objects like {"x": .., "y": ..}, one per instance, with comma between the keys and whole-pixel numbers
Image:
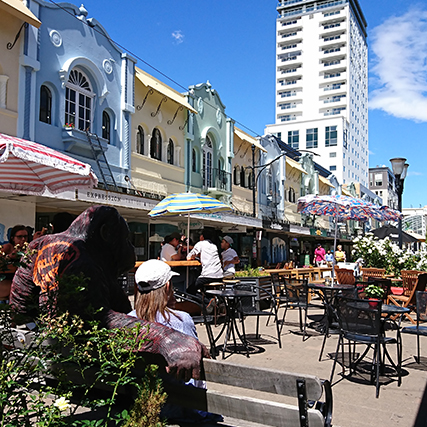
[
  {"x": 30, "y": 168},
  {"x": 393, "y": 234},
  {"x": 345, "y": 208},
  {"x": 181, "y": 203}
]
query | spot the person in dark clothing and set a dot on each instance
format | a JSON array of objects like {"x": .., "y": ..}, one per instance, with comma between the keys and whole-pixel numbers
[{"x": 97, "y": 245}]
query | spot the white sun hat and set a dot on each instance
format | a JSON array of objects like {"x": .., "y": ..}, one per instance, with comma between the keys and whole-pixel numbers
[{"x": 153, "y": 274}]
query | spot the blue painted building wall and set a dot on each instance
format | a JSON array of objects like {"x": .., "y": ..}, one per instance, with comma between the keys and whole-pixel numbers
[{"x": 69, "y": 40}]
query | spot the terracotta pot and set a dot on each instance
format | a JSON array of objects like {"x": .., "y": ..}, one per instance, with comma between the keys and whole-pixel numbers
[{"x": 373, "y": 302}]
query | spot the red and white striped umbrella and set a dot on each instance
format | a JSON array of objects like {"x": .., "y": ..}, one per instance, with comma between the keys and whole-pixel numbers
[{"x": 30, "y": 168}]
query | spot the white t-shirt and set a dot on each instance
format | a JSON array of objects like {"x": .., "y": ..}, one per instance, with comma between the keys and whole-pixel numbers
[
  {"x": 167, "y": 252},
  {"x": 209, "y": 258},
  {"x": 229, "y": 255}
]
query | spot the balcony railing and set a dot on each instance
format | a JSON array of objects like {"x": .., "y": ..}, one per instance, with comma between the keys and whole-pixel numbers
[{"x": 217, "y": 179}]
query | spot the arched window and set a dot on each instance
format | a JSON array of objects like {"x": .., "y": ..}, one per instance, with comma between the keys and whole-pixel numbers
[
  {"x": 250, "y": 180},
  {"x": 78, "y": 101},
  {"x": 291, "y": 195},
  {"x": 236, "y": 177},
  {"x": 242, "y": 177},
  {"x": 140, "y": 140},
  {"x": 194, "y": 161},
  {"x": 106, "y": 126},
  {"x": 207, "y": 162},
  {"x": 170, "y": 152},
  {"x": 156, "y": 145},
  {"x": 45, "y": 115}
]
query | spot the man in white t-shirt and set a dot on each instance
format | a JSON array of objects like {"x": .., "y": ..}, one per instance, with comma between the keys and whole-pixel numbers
[
  {"x": 207, "y": 252},
  {"x": 169, "y": 252},
  {"x": 229, "y": 257}
]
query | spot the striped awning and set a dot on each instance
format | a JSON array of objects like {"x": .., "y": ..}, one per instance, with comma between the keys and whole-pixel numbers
[
  {"x": 179, "y": 203},
  {"x": 30, "y": 168}
]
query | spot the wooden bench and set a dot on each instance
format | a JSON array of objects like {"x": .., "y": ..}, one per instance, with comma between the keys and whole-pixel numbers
[
  {"x": 305, "y": 407},
  {"x": 307, "y": 390}
]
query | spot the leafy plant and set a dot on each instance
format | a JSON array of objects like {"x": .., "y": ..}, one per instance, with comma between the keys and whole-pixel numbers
[
  {"x": 46, "y": 379},
  {"x": 374, "y": 291},
  {"x": 251, "y": 272},
  {"x": 19, "y": 258}
]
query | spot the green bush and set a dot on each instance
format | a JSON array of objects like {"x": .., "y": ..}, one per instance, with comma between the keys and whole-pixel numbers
[{"x": 46, "y": 382}]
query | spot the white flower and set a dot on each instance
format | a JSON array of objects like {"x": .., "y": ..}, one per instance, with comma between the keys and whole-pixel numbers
[{"x": 62, "y": 403}]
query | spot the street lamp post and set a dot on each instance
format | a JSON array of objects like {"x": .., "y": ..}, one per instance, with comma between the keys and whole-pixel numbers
[
  {"x": 255, "y": 177},
  {"x": 400, "y": 168}
]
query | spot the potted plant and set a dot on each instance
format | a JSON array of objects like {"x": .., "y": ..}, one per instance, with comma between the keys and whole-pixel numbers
[
  {"x": 375, "y": 293},
  {"x": 254, "y": 276}
]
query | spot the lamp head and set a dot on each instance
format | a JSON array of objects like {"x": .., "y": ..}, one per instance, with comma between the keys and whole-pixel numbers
[
  {"x": 398, "y": 165},
  {"x": 405, "y": 171}
]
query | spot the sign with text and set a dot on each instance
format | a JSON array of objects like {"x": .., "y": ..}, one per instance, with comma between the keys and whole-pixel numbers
[{"x": 115, "y": 199}]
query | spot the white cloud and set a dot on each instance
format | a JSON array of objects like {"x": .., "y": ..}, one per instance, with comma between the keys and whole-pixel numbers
[
  {"x": 400, "y": 66},
  {"x": 414, "y": 173},
  {"x": 178, "y": 36}
]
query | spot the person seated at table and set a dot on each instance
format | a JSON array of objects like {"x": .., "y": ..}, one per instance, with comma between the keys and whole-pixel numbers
[
  {"x": 18, "y": 236},
  {"x": 207, "y": 252},
  {"x": 340, "y": 254},
  {"x": 171, "y": 250},
  {"x": 229, "y": 257},
  {"x": 156, "y": 303}
]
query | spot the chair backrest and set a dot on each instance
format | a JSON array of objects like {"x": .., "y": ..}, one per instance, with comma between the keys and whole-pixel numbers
[
  {"x": 263, "y": 297},
  {"x": 295, "y": 290},
  {"x": 385, "y": 284},
  {"x": 420, "y": 285},
  {"x": 421, "y": 297},
  {"x": 359, "y": 316},
  {"x": 409, "y": 281},
  {"x": 378, "y": 273},
  {"x": 345, "y": 276}
]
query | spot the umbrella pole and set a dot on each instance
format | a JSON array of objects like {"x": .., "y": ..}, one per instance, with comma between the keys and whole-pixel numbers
[
  {"x": 335, "y": 248},
  {"x": 188, "y": 248}
]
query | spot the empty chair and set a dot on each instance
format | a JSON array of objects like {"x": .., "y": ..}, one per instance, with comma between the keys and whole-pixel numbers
[
  {"x": 375, "y": 273},
  {"x": 345, "y": 276},
  {"x": 263, "y": 304},
  {"x": 413, "y": 281},
  {"x": 362, "y": 324},
  {"x": 293, "y": 293},
  {"x": 421, "y": 299}
]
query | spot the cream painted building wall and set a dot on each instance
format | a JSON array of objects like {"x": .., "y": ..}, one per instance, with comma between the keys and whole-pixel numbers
[
  {"x": 12, "y": 17},
  {"x": 15, "y": 213},
  {"x": 242, "y": 195},
  {"x": 159, "y": 111}
]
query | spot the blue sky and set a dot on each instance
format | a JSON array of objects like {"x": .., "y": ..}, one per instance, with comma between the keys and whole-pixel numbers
[{"x": 232, "y": 44}]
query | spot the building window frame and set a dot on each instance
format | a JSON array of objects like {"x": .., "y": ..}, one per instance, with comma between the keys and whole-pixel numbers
[
  {"x": 79, "y": 105},
  {"x": 331, "y": 136},
  {"x": 106, "y": 126},
  {"x": 45, "y": 112},
  {"x": 312, "y": 138},
  {"x": 156, "y": 145},
  {"x": 170, "y": 152}
]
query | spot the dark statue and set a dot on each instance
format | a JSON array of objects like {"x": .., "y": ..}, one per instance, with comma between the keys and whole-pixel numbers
[{"x": 97, "y": 245}]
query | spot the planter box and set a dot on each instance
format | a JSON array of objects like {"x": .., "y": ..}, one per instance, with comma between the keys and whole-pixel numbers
[{"x": 261, "y": 281}]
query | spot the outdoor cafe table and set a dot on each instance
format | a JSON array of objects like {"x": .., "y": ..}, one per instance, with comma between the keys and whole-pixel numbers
[{"x": 232, "y": 298}]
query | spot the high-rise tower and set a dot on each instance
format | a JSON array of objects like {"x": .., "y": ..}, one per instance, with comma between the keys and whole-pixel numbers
[{"x": 322, "y": 84}]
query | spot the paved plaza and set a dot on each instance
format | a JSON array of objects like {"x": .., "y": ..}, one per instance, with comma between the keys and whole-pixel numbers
[{"x": 354, "y": 399}]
